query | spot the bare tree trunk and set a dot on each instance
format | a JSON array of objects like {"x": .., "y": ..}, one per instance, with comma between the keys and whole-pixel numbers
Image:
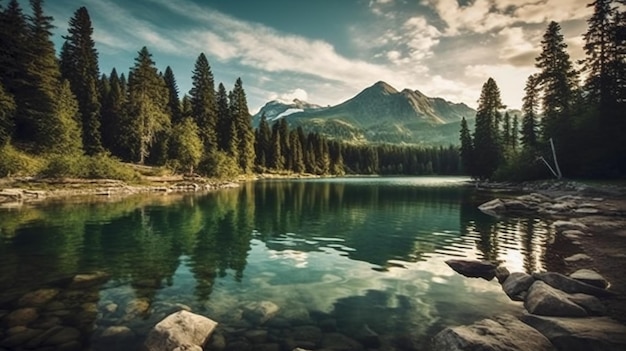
[{"x": 558, "y": 174}]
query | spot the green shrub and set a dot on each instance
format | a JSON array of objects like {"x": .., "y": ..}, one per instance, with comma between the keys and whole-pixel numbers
[
  {"x": 219, "y": 165},
  {"x": 65, "y": 165},
  {"x": 104, "y": 166},
  {"x": 17, "y": 163}
]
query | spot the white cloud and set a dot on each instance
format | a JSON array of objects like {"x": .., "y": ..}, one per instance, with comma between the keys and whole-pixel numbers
[
  {"x": 510, "y": 80},
  {"x": 515, "y": 48},
  {"x": 289, "y": 96}
]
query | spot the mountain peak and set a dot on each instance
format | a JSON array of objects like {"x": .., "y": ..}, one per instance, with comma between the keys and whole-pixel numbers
[{"x": 384, "y": 87}]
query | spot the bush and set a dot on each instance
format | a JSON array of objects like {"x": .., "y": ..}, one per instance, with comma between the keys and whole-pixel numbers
[
  {"x": 219, "y": 165},
  {"x": 104, "y": 166},
  {"x": 65, "y": 165},
  {"x": 18, "y": 163}
]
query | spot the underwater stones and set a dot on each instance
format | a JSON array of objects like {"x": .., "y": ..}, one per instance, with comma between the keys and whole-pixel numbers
[
  {"x": 473, "y": 268},
  {"x": 590, "y": 277},
  {"x": 517, "y": 284},
  {"x": 22, "y": 316},
  {"x": 258, "y": 336},
  {"x": 19, "y": 336},
  {"x": 580, "y": 334},
  {"x": 37, "y": 298},
  {"x": 577, "y": 258},
  {"x": 180, "y": 329},
  {"x": 562, "y": 225},
  {"x": 340, "y": 342},
  {"x": 542, "y": 299},
  {"x": 307, "y": 333},
  {"x": 88, "y": 280},
  {"x": 258, "y": 313},
  {"x": 115, "y": 337},
  {"x": 137, "y": 307},
  {"x": 501, "y": 333}
]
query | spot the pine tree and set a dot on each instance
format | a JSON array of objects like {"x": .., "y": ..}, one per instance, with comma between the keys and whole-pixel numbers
[
  {"x": 486, "y": 136},
  {"x": 602, "y": 55},
  {"x": 79, "y": 65},
  {"x": 147, "y": 106},
  {"x": 277, "y": 160},
  {"x": 506, "y": 130},
  {"x": 7, "y": 109},
  {"x": 467, "y": 148},
  {"x": 557, "y": 81},
  {"x": 64, "y": 133},
  {"x": 296, "y": 152},
  {"x": 243, "y": 127},
  {"x": 263, "y": 143},
  {"x": 515, "y": 134},
  {"x": 225, "y": 122},
  {"x": 203, "y": 103},
  {"x": 285, "y": 146},
  {"x": 14, "y": 59},
  {"x": 173, "y": 102},
  {"x": 529, "y": 112},
  {"x": 113, "y": 118},
  {"x": 185, "y": 107}
]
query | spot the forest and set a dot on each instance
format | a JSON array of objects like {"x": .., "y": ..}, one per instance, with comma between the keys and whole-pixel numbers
[
  {"x": 573, "y": 119},
  {"x": 61, "y": 117}
]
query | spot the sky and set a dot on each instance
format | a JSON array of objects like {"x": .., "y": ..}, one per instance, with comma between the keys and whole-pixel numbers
[{"x": 326, "y": 51}]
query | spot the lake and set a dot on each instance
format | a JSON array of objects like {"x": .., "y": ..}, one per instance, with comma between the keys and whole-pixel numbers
[{"x": 338, "y": 260}]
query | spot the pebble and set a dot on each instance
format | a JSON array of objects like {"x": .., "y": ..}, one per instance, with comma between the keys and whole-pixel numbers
[{"x": 577, "y": 258}]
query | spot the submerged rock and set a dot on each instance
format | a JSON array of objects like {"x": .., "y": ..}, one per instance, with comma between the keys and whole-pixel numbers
[
  {"x": 580, "y": 334},
  {"x": 590, "y": 277},
  {"x": 180, "y": 330},
  {"x": 542, "y": 299},
  {"x": 493, "y": 208},
  {"x": 38, "y": 297},
  {"x": 260, "y": 312},
  {"x": 88, "y": 280},
  {"x": 502, "y": 333},
  {"x": 577, "y": 258},
  {"x": 22, "y": 316},
  {"x": 473, "y": 268}
]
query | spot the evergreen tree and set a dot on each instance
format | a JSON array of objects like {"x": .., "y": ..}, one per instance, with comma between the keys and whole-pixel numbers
[
  {"x": 277, "y": 159},
  {"x": 173, "y": 102},
  {"x": 506, "y": 130},
  {"x": 529, "y": 114},
  {"x": 557, "y": 81},
  {"x": 243, "y": 127},
  {"x": 203, "y": 103},
  {"x": 185, "y": 106},
  {"x": 296, "y": 152},
  {"x": 285, "y": 146},
  {"x": 263, "y": 143},
  {"x": 113, "y": 118},
  {"x": 486, "y": 136},
  {"x": 186, "y": 146},
  {"x": 467, "y": 148},
  {"x": 602, "y": 55},
  {"x": 7, "y": 108},
  {"x": 79, "y": 65},
  {"x": 64, "y": 133},
  {"x": 147, "y": 106},
  {"x": 515, "y": 134},
  {"x": 225, "y": 122}
]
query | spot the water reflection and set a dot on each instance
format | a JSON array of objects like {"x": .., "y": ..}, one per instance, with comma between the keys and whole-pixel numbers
[{"x": 360, "y": 251}]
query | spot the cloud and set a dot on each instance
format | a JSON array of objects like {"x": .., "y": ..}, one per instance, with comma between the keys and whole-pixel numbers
[
  {"x": 289, "y": 96},
  {"x": 515, "y": 48},
  {"x": 510, "y": 80}
]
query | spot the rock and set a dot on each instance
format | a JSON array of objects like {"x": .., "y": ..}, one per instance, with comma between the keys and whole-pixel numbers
[
  {"x": 256, "y": 336},
  {"x": 580, "y": 334},
  {"x": 516, "y": 284},
  {"x": 535, "y": 198},
  {"x": 137, "y": 307},
  {"x": 569, "y": 285},
  {"x": 217, "y": 342},
  {"x": 22, "y": 316},
  {"x": 88, "y": 280},
  {"x": 586, "y": 210},
  {"x": 62, "y": 336},
  {"x": 542, "y": 299},
  {"x": 118, "y": 334},
  {"x": 517, "y": 206},
  {"x": 70, "y": 346},
  {"x": 502, "y": 333},
  {"x": 473, "y": 268},
  {"x": 573, "y": 234},
  {"x": 502, "y": 273},
  {"x": 493, "y": 208},
  {"x": 591, "y": 304},
  {"x": 560, "y": 226},
  {"x": 590, "y": 277},
  {"x": 577, "y": 258},
  {"x": 340, "y": 342},
  {"x": 20, "y": 338},
  {"x": 180, "y": 329},
  {"x": 258, "y": 313},
  {"x": 38, "y": 297},
  {"x": 307, "y": 333}
]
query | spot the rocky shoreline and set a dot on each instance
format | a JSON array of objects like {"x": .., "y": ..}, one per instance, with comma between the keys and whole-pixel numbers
[{"x": 579, "y": 311}]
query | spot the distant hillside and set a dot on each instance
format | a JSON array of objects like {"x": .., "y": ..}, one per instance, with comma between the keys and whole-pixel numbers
[{"x": 379, "y": 113}]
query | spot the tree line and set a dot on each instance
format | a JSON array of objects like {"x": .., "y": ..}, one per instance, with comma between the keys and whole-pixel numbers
[
  {"x": 568, "y": 127},
  {"x": 63, "y": 109}
]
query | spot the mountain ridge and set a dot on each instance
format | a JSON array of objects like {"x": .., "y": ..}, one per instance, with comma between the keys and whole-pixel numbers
[{"x": 379, "y": 113}]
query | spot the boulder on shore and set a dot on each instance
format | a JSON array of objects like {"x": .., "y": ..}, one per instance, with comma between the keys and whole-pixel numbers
[
  {"x": 493, "y": 208},
  {"x": 542, "y": 299},
  {"x": 182, "y": 330},
  {"x": 473, "y": 268},
  {"x": 502, "y": 333},
  {"x": 590, "y": 277},
  {"x": 569, "y": 285},
  {"x": 516, "y": 285},
  {"x": 580, "y": 334}
]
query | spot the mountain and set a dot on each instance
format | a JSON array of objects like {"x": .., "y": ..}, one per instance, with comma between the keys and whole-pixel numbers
[{"x": 380, "y": 113}]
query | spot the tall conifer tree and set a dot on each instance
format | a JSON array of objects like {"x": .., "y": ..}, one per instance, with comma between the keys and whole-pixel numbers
[
  {"x": 79, "y": 65},
  {"x": 173, "y": 101},
  {"x": 243, "y": 127},
  {"x": 486, "y": 136},
  {"x": 203, "y": 103}
]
